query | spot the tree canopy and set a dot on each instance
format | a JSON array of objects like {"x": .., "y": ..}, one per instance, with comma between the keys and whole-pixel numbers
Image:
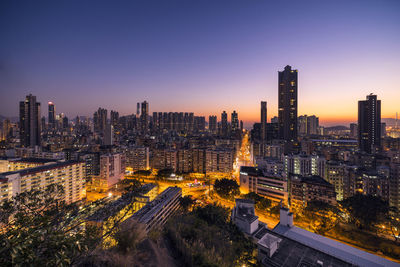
[
  {"x": 259, "y": 201},
  {"x": 226, "y": 188},
  {"x": 365, "y": 210},
  {"x": 39, "y": 228},
  {"x": 206, "y": 237}
]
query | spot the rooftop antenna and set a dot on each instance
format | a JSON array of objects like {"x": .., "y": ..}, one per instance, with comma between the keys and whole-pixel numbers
[{"x": 396, "y": 121}]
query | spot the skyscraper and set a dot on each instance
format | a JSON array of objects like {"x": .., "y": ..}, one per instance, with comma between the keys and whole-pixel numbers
[
  {"x": 144, "y": 116},
  {"x": 287, "y": 106},
  {"x": 29, "y": 121},
  {"x": 263, "y": 120},
  {"x": 369, "y": 124},
  {"x": 308, "y": 125},
  {"x": 138, "y": 109},
  {"x": 234, "y": 121},
  {"x": 100, "y": 120},
  {"x": 52, "y": 115},
  {"x": 212, "y": 124},
  {"x": 353, "y": 130},
  {"x": 224, "y": 123}
]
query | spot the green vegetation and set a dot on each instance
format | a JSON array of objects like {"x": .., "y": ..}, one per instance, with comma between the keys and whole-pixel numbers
[
  {"x": 322, "y": 217},
  {"x": 260, "y": 202},
  {"x": 165, "y": 173},
  {"x": 186, "y": 202},
  {"x": 226, "y": 188},
  {"x": 206, "y": 237},
  {"x": 142, "y": 173},
  {"x": 365, "y": 211},
  {"x": 38, "y": 228}
]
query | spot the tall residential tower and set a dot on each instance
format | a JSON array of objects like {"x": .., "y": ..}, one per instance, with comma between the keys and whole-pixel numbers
[
  {"x": 263, "y": 121},
  {"x": 287, "y": 106},
  {"x": 369, "y": 124},
  {"x": 29, "y": 122}
]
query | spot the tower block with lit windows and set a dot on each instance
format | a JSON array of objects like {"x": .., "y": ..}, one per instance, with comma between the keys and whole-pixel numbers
[
  {"x": 369, "y": 124},
  {"x": 287, "y": 105}
]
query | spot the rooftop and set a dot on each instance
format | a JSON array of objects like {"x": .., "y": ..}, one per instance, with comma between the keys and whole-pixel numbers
[
  {"x": 331, "y": 247},
  {"x": 115, "y": 206},
  {"x": 146, "y": 213},
  {"x": 292, "y": 253},
  {"x": 246, "y": 201},
  {"x": 41, "y": 168},
  {"x": 314, "y": 179}
]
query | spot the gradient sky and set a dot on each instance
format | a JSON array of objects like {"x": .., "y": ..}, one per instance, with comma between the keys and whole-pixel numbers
[{"x": 202, "y": 56}]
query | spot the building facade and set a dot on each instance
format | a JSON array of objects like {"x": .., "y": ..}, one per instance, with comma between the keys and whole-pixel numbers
[{"x": 287, "y": 104}]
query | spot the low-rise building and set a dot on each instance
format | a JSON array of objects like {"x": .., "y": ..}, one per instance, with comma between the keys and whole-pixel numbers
[
  {"x": 303, "y": 189},
  {"x": 155, "y": 213},
  {"x": 289, "y": 245},
  {"x": 243, "y": 215},
  {"x": 119, "y": 210},
  {"x": 270, "y": 186}
]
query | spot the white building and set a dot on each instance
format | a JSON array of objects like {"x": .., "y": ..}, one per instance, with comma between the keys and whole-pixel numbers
[{"x": 69, "y": 174}]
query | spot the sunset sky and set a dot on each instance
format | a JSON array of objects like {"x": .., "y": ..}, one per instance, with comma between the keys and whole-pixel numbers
[{"x": 200, "y": 56}]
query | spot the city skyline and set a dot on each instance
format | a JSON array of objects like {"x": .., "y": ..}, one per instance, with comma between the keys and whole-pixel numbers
[{"x": 214, "y": 62}]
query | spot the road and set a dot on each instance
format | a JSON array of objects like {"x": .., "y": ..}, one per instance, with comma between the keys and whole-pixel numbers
[{"x": 244, "y": 157}]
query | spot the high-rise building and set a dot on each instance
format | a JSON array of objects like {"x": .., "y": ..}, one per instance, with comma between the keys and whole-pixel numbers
[
  {"x": 68, "y": 173},
  {"x": 383, "y": 129},
  {"x": 212, "y": 124},
  {"x": 112, "y": 168},
  {"x": 100, "y": 120},
  {"x": 65, "y": 122},
  {"x": 263, "y": 120},
  {"x": 114, "y": 117},
  {"x": 108, "y": 135},
  {"x": 287, "y": 112},
  {"x": 234, "y": 121},
  {"x": 224, "y": 123},
  {"x": 137, "y": 158},
  {"x": 144, "y": 116},
  {"x": 308, "y": 125},
  {"x": 353, "y": 130},
  {"x": 199, "y": 123},
  {"x": 52, "y": 115},
  {"x": 138, "y": 110},
  {"x": 369, "y": 124},
  {"x": 29, "y": 121}
]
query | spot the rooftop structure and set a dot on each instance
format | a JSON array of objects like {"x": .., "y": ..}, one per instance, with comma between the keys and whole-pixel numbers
[
  {"x": 140, "y": 196},
  {"x": 156, "y": 212},
  {"x": 244, "y": 217},
  {"x": 343, "y": 254}
]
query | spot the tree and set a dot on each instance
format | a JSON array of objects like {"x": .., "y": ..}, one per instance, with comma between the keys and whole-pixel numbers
[
  {"x": 142, "y": 173},
  {"x": 212, "y": 214},
  {"x": 323, "y": 216},
  {"x": 365, "y": 210},
  {"x": 186, "y": 202},
  {"x": 206, "y": 237},
  {"x": 259, "y": 201},
  {"x": 39, "y": 228},
  {"x": 394, "y": 223},
  {"x": 165, "y": 173},
  {"x": 226, "y": 188}
]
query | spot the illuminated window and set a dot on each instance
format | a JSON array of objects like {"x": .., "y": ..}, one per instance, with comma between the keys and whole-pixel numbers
[{"x": 292, "y": 83}]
